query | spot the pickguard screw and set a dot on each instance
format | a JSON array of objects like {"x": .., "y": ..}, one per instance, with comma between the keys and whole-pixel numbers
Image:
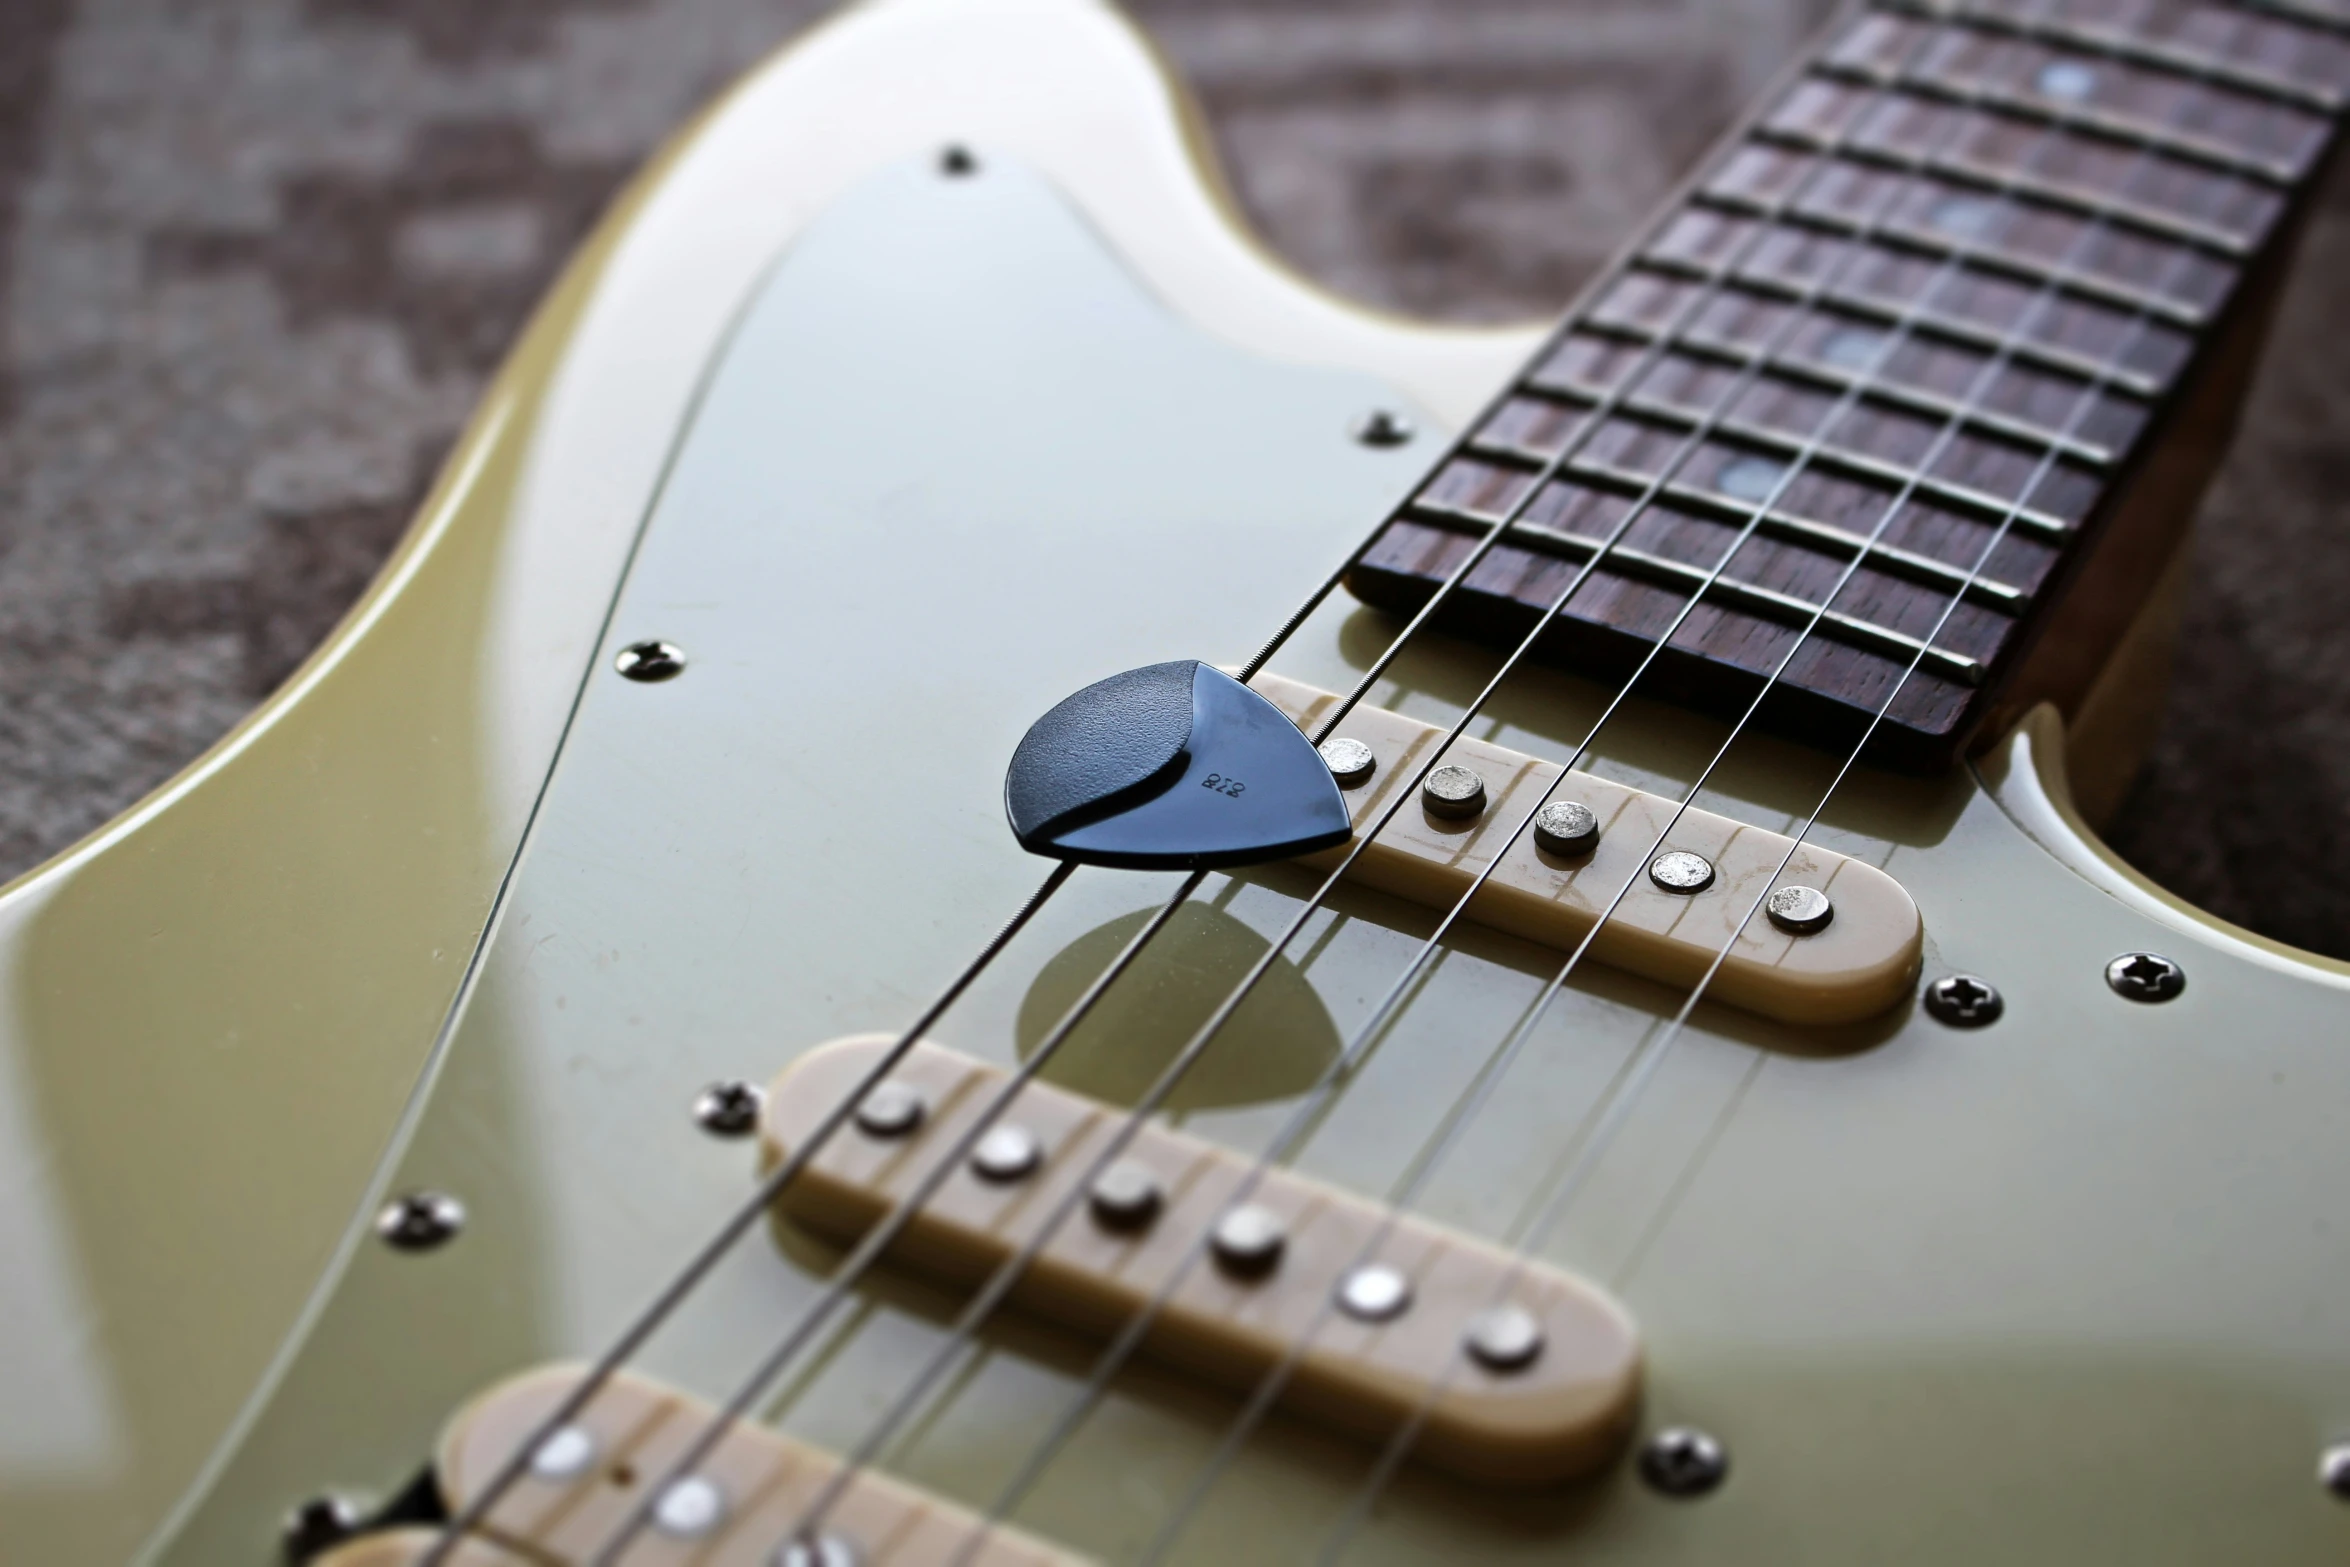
[
  {"x": 2145, "y": 976},
  {"x": 2333, "y": 1469},
  {"x": 957, "y": 161},
  {"x": 650, "y": 661},
  {"x": 420, "y": 1221},
  {"x": 1963, "y": 1001},
  {"x": 1683, "y": 1461},
  {"x": 1383, "y": 427},
  {"x": 318, "y": 1525},
  {"x": 729, "y": 1108}
]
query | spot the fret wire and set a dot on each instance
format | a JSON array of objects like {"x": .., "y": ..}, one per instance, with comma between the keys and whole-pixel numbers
[
  {"x": 712, "y": 1431},
  {"x": 1610, "y": 1115},
  {"x": 2023, "y": 188},
  {"x": 2112, "y": 44},
  {"x": 1786, "y": 608},
  {"x": 1793, "y": 527},
  {"x": 999, "y": 1280},
  {"x": 1122, "y": 1346},
  {"x": 2058, "y": 279},
  {"x": 1777, "y": 522},
  {"x": 1910, "y": 398},
  {"x": 2311, "y": 16},
  {"x": 1959, "y": 497},
  {"x": 1953, "y": 329},
  {"x": 1876, "y": 635},
  {"x": 1841, "y": 458},
  {"x": 2185, "y": 146}
]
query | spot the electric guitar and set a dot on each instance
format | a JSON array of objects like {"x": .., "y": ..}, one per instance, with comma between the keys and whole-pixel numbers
[{"x": 991, "y": 886}]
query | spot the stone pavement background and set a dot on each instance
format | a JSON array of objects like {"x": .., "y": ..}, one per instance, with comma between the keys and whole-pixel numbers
[{"x": 257, "y": 259}]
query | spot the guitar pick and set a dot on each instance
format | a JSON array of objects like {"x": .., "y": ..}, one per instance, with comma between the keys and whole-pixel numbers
[{"x": 1171, "y": 767}]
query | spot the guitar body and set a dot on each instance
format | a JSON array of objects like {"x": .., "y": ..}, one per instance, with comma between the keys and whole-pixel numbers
[{"x": 899, "y": 457}]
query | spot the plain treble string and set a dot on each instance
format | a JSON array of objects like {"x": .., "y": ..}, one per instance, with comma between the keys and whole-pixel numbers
[
  {"x": 870, "y": 1448},
  {"x": 1618, "y": 1110},
  {"x": 1270, "y": 1387}
]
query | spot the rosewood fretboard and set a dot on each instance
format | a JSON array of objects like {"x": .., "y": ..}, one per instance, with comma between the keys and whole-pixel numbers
[{"x": 1922, "y": 319}]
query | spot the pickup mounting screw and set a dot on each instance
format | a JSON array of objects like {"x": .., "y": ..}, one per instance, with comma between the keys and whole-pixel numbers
[
  {"x": 1565, "y": 827},
  {"x": 650, "y": 661},
  {"x": 1383, "y": 427},
  {"x": 1007, "y": 1153},
  {"x": 2145, "y": 976},
  {"x": 319, "y": 1525},
  {"x": 1454, "y": 793},
  {"x": 2333, "y": 1469},
  {"x": 890, "y": 1110},
  {"x": 1800, "y": 910},
  {"x": 419, "y": 1221},
  {"x": 1247, "y": 1241},
  {"x": 729, "y": 1108},
  {"x": 1677, "y": 870},
  {"x": 1683, "y": 1461},
  {"x": 1350, "y": 761},
  {"x": 1963, "y": 1001}
]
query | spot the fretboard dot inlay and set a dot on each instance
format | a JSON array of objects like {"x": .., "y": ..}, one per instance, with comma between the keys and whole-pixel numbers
[
  {"x": 2068, "y": 79},
  {"x": 1852, "y": 348},
  {"x": 1833, "y": 428},
  {"x": 1750, "y": 478},
  {"x": 1969, "y": 217}
]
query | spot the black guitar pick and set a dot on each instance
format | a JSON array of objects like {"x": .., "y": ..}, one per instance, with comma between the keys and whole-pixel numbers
[{"x": 1171, "y": 767}]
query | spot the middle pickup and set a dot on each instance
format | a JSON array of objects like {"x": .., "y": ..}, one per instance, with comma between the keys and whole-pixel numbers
[
  {"x": 1512, "y": 1371},
  {"x": 1825, "y": 939}
]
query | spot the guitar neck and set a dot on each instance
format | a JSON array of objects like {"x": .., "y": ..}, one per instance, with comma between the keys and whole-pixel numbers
[{"x": 1910, "y": 395}]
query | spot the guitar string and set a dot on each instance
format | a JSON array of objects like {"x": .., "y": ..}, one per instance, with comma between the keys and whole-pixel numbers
[
  {"x": 748, "y": 1396},
  {"x": 673, "y": 1294},
  {"x": 1284, "y": 1142},
  {"x": 1815, "y": 621},
  {"x": 680, "y": 1287},
  {"x": 666, "y": 1302},
  {"x": 1590, "y": 1145},
  {"x": 1617, "y": 1111},
  {"x": 1805, "y": 297},
  {"x": 981, "y": 1306},
  {"x": 1614, "y": 1119},
  {"x": 1258, "y": 661}
]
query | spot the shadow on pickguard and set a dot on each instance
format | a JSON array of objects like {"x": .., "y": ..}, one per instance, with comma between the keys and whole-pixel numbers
[{"x": 1275, "y": 1046}]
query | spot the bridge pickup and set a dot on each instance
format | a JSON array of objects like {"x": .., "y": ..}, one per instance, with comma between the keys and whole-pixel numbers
[
  {"x": 1862, "y": 961},
  {"x": 737, "y": 1509},
  {"x": 1535, "y": 1374}
]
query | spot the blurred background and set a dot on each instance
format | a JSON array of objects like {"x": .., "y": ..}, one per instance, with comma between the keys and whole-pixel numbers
[{"x": 257, "y": 258}]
